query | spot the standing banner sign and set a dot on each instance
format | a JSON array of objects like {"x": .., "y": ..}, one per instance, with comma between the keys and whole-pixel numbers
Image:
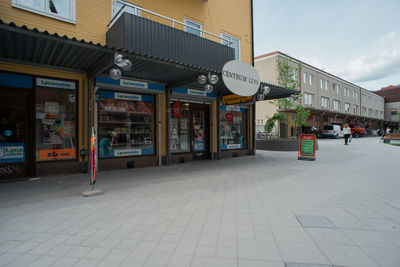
[
  {"x": 307, "y": 146},
  {"x": 93, "y": 154}
]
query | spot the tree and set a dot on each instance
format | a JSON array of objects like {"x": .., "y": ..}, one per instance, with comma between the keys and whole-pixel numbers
[
  {"x": 269, "y": 125},
  {"x": 301, "y": 117},
  {"x": 286, "y": 79}
]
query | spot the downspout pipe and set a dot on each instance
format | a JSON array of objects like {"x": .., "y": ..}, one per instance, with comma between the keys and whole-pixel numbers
[{"x": 253, "y": 117}]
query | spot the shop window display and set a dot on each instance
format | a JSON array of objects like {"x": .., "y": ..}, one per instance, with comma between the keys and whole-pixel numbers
[
  {"x": 55, "y": 124},
  {"x": 232, "y": 127},
  {"x": 125, "y": 124},
  {"x": 180, "y": 127}
]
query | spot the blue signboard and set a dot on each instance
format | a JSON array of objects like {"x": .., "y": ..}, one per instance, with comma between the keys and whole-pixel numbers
[{"x": 12, "y": 152}]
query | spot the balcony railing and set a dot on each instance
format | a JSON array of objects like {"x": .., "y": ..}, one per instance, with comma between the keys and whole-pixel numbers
[{"x": 171, "y": 22}]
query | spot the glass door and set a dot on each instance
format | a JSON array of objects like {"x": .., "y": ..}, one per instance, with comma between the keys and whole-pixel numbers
[
  {"x": 199, "y": 134},
  {"x": 14, "y": 147}
]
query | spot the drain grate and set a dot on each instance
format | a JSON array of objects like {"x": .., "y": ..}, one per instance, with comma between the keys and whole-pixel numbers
[{"x": 311, "y": 221}]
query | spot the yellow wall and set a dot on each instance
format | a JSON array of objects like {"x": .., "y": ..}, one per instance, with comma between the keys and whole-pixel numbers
[
  {"x": 81, "y": 93},
  {"x": 93, "y": 16}
]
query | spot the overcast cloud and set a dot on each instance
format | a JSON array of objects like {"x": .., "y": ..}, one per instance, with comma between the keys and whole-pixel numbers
[{"x": 357, "y": 40}]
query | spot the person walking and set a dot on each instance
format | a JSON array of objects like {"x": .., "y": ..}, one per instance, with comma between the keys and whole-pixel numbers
[{"x": 347, "y": 133}]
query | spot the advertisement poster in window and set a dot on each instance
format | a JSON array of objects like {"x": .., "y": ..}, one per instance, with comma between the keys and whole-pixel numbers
[{"x": 51, "y": 110}]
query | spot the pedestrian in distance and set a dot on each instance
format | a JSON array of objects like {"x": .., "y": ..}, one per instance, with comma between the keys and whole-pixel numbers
[{"x": 347, "y": 133}]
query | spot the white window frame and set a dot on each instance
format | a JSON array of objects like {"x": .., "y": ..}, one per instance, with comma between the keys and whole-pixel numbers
[
  {"x": 326, "y": 85},
  {"x": 335, "y": 88},
  {"x": 347, "y": 107},
  {"x": 305, "y": 77},
  {"x": 231, "y": 38},
  {"x": 355, "y": 109},
  {"x": 114, "y": 10},
  {"x": 310, "y": 79},
  {"x": 322, "y": 102},
  {"x": 308, "y": 99},
  {"x": 355, "y": 94},
  {"x": 321, "y": 83},
  {"x": 46, "y": 12},
  {"x": 185, "y": 20},
  {"x": 336, "y": 105}
]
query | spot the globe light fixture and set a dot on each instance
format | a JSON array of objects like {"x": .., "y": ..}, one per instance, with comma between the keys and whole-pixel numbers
[
  {"x": 260, "y": 97},
  {"x": 202, "y": 79},
  {"x": 208, "y": 88},
  {"x": 115, "y": 73},
  {"x": 266, "y": 90},
  {"x": 213, "y": 78},
  {"x": 127, "y": 64},
  {"x": 118, "y": 60}
]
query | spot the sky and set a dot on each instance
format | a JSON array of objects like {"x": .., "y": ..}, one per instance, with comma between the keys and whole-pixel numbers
[{"x": 357, "y": 40}]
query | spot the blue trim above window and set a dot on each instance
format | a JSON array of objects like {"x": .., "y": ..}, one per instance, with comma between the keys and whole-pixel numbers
[{"x": 16, "y": 80}]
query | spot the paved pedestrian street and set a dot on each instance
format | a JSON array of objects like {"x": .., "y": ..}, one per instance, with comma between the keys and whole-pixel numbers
[{"x": 266, "y": 210}]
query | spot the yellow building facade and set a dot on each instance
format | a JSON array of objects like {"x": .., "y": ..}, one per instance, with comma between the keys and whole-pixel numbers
[{"x": 60, "y": 56}]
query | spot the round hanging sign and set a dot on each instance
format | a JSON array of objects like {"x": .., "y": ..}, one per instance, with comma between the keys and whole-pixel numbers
[{"x": 240, "y": 78}]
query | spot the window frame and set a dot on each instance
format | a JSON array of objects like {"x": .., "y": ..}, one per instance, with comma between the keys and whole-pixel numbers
[
  {"x": 309, "y": 97},
  {"x": 186, "y": 20},
  {"x": 310, "y": 79},
  {"x": 327, "y": 102},
  {"x": 44, "y": 12},
  {"x": 230, "y": 37},
  {"x": 336, "y": 107},
  {"x": 305, "y": 77}
]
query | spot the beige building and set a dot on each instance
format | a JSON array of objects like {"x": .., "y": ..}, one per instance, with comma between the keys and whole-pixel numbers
[{"x": 330, "y": 99}]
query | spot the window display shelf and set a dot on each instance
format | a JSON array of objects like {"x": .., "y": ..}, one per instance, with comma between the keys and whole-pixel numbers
[
  {"x": 125, "y": 122},
  {"x": 124, "y": 112}
]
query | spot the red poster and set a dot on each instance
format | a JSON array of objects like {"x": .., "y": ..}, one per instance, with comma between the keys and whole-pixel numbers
[
  {"x": 229, "y": 116},
  {"x": 176, "y": 109}
]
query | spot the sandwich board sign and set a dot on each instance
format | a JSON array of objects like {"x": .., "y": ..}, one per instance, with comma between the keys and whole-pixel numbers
[{"x": 307, "y": 146}]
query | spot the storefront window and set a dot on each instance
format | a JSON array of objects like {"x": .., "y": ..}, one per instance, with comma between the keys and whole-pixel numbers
[
  {"x": 125, "y": 124},
  {"x": 180, "y": 127},
  {"x": 55, "y": 121},
  {"x": 233, "y": 131}
]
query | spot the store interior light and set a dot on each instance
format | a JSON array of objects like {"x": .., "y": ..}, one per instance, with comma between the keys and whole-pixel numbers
[
  {"x": 208, "y": 88},
  {"x": 115, "y": 73},
  {"x": 213, "y": 78},
  {"x": 202, "y": 79}
]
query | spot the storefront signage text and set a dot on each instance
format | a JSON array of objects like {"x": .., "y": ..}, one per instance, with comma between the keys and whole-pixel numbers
[
  {"x": 55, "y": 84},
  {"x": 307, "y": 146},
  {"x": 196, "y": 92},
  {"x": 12, "y": 152},
  {"x": 69, "y": 153},
  {"x": 236, "y": 99},
  {"x": 240, "y": 78},
  {"x": 136, "y": 84},
  {"x": 127, "y": 96},
  {"x": 131, "y": 152}
]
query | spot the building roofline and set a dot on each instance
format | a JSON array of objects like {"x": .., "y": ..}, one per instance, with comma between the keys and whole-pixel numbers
[{"x": 277, "y": 53}]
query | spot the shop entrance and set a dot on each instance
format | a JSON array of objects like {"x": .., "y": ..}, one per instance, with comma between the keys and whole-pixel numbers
[
  {"x": 15, "y": 144},
  {"x": 199, "y": 131},
  {"x": 189, "y": 130}
]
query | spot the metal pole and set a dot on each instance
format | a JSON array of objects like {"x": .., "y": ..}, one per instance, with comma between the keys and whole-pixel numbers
[
  {"x": 212, "y": 130},
  {"x": 167, "y": 116},
  {"x": 218, "y": 133},
  {"x": 253, "y": 130},
  {"x": 89, "y": 130},
  {"x": 159, "y": 130}
]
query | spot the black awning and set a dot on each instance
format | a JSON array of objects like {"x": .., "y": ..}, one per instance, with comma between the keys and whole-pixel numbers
[
  {"x": 22, "y": 45},
  {"x": 33, "y": 47}
]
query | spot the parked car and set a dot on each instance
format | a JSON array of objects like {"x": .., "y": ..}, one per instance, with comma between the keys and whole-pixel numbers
[
  {"x": 332, "y": 131},
  {"x": 357, "y": 130}
]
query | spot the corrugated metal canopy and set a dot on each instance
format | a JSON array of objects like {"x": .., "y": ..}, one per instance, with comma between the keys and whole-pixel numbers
[{"x": 30, "y": 46}]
